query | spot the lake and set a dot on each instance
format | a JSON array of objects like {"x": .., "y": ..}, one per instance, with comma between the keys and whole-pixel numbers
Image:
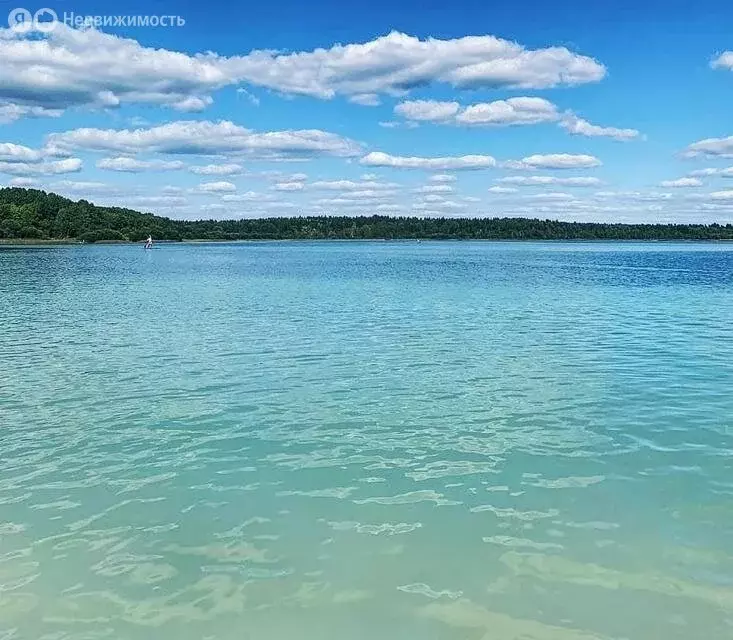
[{"x": 359, "y": 440}]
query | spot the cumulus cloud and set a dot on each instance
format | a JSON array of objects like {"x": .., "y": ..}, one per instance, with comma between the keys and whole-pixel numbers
[
  {"x": 435, "y": 188},
  {"x": 579, "y": 127},
  {"x": 640, "y": 196},
  {"x": 156, "y": 201},
  {"x": 580, "y": 181},
  {"x": 89, "y": 68},
  {"x": 86, "y": 188},
  {"x": 554, "y": 161},
  {"x": 514, "y": 111},
  {"x": 10, "y": 111},
  {"x": 221, "y": 186},
  {"x": 247, "y": 196},
  {"x": 723, "y": 61},
  {"x": 288, "y": 186},
  {"x": 502, "y": 190},
  {"x": 454, "y": 163},
  {"x": 229, "y": 169},
  {"x": 23, "y": 182},
  {"x": 351, "y": 185},
  {"x": 552, "y": 196},
  {"x": 721, "y": 147},
  {"x": 503, "y": 113},
  {"x": 68, "y": 165},
  {"x": 442, "y": 178},
  {"x": 681, "y": 182},
  {"x": 396, "y": 63},
  {"x": 394, "y": 124},
  {"x": 438, "y": 204},
  {"x": 367, "y": 99},
  {"x": 428, "y": 110},
  {"x": 710, "y": 171},
  {"x": 10, "y": 152},
  {"x": 721, "y": 195},
  {"x": 203, "y": 137},
  {"x": 131, "y": 165}
]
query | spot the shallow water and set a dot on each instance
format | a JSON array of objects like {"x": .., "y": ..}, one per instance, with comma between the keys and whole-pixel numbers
[{"x": 434, "y": 441}]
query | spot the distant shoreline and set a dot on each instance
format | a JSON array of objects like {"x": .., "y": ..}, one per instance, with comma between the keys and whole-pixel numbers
[{"x": 48, "y": 242}]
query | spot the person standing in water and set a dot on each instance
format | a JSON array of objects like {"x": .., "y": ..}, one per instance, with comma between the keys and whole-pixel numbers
[{"x": 149, "y": 242}]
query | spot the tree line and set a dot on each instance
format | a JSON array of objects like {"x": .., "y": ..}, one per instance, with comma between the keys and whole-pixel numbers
[{"x": 36, "y": 214}]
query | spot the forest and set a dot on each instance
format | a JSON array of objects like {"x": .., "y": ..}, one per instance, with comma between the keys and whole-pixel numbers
[{"x": 32, "y": 214}]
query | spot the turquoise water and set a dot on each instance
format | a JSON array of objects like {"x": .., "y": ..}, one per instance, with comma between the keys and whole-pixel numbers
[{"x": 434, "y": 441}]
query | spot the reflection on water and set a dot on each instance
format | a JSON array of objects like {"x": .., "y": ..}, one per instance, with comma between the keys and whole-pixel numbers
[{"x": 442, "y": 441}]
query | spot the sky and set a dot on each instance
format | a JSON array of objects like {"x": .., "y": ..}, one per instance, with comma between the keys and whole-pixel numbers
[{"x": 613, "y": 111}]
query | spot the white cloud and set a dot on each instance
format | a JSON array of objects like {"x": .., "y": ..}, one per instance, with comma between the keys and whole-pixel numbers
[
  {"x": 221, "y": 186},
  {"x": 131, "y": 165},
  {"x": 580, "y": 181},
  {"x": 722, "y": 147},
  {"x": 68, "y": 165},
  {"x": 427, "y": 110},
  {"x": 10, "y": 112},
  {"x": 369, "y": 176},
  {"x": 288, "y": 186},
  {"x": 252, "y": 98},
  {"x": 192, "y": 104},
  {"x": 554, "y": 161},
  {"x": 639, "y": 196},
  {"x": 440, "y": 205},
  {"x": 247, "y": 196},
  {"x": 721, "y": 195},
  {"x": 455, "y": 163},
  {"x": 442, "y": 178},
  {"x": 23, "y": 182},
  {"x": 157, "y": 201},
  {"x": 681, "y": 182},
  {"x": 514, "y": 111},
  {"x": 84, "y": 188},
  {"x": 723, "y": 61},
  {"x": 725, "y": 173},
  {"x": 502, "y": 190},
  {"x": 230, "y": 169},
  {"x": 579, "y": 127},
  {"x": 369, "y": 194},
  {"x": 396, "y": 63},
  {"x": 207, "y": 138},
  {"x": 348, "y": 200},
  {"x": 435, "y": 188},
  {"x": 214, "y": 208},
  {"x": 367, "y": 99},
  {"x": 10, "y": 152},
  {"x": 393, "y": 124},
  {"x": 89, "y": 68},
  {"x": 350, "y": 185},
  {"x": 553, "y": 196}
]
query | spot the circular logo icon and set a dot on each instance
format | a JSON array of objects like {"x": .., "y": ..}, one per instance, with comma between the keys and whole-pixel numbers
[
  {"x": 20, "y": 20},
  {"x": 44, "y": 20}
]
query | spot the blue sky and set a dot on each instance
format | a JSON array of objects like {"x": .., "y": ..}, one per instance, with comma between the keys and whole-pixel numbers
[{"x": 572, "y": 110}]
